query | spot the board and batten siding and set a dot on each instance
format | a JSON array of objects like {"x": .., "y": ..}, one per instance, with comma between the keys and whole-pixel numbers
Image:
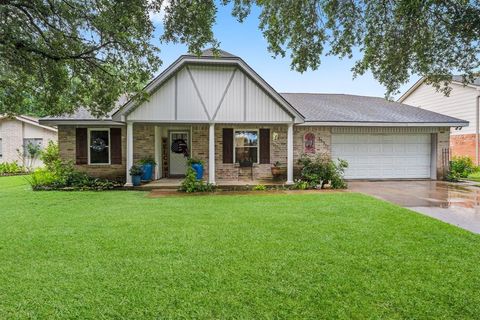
[
  {"x": 460, "y": 103},
  {"x": 210, "y": 94}
]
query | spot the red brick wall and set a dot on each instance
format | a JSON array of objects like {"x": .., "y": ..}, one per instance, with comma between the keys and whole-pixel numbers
[{"x": 463, "y": 145}]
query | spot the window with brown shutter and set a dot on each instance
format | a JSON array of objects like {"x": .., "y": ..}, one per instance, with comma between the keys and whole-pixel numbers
[
  {"x": 227, "y": 143},
  {"x": 116, "y": 145},
  {"x": 81, "y": 144},
  {"x": 265, "y": 146}
]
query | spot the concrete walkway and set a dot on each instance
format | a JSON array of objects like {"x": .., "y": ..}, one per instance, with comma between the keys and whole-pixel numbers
[{"x": 454, "y": 203}]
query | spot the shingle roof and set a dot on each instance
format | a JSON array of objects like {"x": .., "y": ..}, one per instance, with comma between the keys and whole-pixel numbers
[
  {"x": 83, "y": 113},
  {"x": 458, "y": 78},
  {"x": 209, "y": 53},
  {"x": 316, "y": 107}
]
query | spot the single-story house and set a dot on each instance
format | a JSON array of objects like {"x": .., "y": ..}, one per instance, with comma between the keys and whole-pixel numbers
[
  {"x": 463, "y": 102},
  {"x": 228, "y": 115},
  {"x": 16, "y": 133}
]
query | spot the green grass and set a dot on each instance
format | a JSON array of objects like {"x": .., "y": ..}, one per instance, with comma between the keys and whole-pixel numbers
[{"x": 121, "y": 254}]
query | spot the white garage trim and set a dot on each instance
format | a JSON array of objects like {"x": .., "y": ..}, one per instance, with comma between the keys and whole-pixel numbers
[
  {"x": 384, "y": 156},
  {"x": 388, "y": 130}
]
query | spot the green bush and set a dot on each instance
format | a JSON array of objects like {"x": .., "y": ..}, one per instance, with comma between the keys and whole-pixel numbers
[
  {"x": 10, "y": 168},
  {"x": 460, "y": 168},
  {"x": 147, "y": 160},
  {"x": 300, "y": 185},
  {"x": 191, "y": 184},
  {"x": 321, "y": 170},
  {"x": 135, "y": 170},
  {"x": 50, "y": 156},
  {"x": 63, "y": 176},
  {"x": 259, "y": 187}
]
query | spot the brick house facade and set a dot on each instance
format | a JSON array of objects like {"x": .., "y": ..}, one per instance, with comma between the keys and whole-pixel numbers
[
  {"x": 239, "y": 126},
  {"x": 144, "y": 146}
]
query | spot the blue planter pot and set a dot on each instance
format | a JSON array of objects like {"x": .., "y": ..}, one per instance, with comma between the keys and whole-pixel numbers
[
  {"x": 199, "y": 170},
  {"x": 136, "y": 180},
  {"x": 147, "y": 172}
]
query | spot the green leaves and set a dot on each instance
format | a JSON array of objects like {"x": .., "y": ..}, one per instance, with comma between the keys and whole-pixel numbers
[
  {"x": 59, "y": 55},
  {"x": 56, "y": 56}
]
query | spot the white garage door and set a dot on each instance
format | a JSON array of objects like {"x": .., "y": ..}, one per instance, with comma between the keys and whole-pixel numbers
[{"x": 383, "y": 156}]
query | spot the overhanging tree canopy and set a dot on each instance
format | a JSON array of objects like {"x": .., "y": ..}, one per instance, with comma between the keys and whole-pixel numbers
[{"x": 60, "y": 54}]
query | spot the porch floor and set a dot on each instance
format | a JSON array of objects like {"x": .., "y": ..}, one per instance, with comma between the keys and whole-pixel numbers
[{"x": 174, "y": 183}]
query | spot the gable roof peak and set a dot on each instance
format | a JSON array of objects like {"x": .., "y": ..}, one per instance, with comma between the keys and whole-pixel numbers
[{"x": 213, "y": 53}]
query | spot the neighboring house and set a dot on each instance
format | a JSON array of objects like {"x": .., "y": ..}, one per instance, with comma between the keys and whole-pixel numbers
[
  {"x": 463, "y": 103},
  {"x": 226, "y": 113},
  {"x": 17, "y": 132}
]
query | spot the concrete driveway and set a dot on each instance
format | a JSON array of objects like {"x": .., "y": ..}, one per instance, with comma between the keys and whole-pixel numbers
[{"x": 454, "y": 203}]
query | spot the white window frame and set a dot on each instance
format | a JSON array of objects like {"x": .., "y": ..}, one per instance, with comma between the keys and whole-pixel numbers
[
  {"x": 257, "y": 146},
  {"x": 89, "y": 130}
]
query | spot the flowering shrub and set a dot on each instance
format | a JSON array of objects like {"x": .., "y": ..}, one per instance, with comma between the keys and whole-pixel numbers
[{"x": 319, "y": 171}]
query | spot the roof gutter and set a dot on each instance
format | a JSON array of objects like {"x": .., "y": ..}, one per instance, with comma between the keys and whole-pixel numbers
[
  {"x": 74, "y": 122},
  {"x": 383, "y": 124}
]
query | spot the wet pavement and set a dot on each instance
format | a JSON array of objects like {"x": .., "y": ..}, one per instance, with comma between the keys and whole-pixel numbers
[{"x": 454, "y": 203}]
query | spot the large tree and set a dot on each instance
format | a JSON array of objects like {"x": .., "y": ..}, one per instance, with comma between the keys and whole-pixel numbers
[{"x": 61, "y": 54}]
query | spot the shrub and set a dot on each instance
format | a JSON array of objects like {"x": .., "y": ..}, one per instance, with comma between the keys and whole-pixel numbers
[
  {"x": 147, "y": 160},
  {"x": 191, "y": 184},
  {"x": 50, "y": 156},
  {"x": 10, "y": 168},
  {"x": 259, "y": 187},
  {"x": 320, "y": 170},
  {"x": 300, "y": 185},
  {"x": 136, "y": 170},
  {"x": 460, "y": 168},
  {"x": 192, "y": 160},
  {"x": 63, "y": 176}
]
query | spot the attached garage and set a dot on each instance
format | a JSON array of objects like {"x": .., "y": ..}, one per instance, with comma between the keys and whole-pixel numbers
[
  {"x": 384, "y": 156},
  {"x": 380, "y": 139}
]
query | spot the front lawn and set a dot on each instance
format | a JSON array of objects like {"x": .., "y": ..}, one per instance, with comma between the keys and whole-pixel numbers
[{"x": 121, "y": 254}]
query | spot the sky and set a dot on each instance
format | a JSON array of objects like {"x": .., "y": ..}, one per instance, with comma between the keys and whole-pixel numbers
[{"x": 246, "y": 41}]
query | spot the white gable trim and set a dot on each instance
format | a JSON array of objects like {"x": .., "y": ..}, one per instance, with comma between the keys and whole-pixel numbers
[
  {"x": 422, "y": 80},
  {"x": 30, "y": 121},
  {"x": 185, "y": 61}
]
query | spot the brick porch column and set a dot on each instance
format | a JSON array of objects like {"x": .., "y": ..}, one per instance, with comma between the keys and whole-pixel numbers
[
  {"x": 290, "y": 154},
  {"x": 129, "y": 153},
  {"x": 211, "y": 153}
]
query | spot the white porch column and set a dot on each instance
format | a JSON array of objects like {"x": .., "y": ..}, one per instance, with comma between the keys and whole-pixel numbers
[
  {"x": 158, "y": 152},
  {"x": 290, "y": 154},
  {"x": 129, "y": 153},
  {"x": 211, "y": 153}
]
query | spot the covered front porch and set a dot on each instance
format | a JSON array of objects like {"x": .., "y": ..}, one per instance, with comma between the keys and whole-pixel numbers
[{"x": 221, "y": 147}]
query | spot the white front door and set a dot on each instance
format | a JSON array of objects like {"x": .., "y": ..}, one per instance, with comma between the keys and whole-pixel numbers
[
  {"x": 384, "y": 156},
  {"x": 177, "y": 161}
]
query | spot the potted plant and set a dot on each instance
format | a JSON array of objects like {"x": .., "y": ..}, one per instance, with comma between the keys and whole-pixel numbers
[
  {"x": 277, "y": 169},
  {"x": 147, "y": 163},
  {"x": 136, "y": 172},
  {"x": 196, "y": 165}
]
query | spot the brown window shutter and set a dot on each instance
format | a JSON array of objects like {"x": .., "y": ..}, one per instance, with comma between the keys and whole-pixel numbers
[
  {"x": 227, "y": 143},
  {"x": 265, "y": 146},
  {"x": 116, "y": 145},
  {"x": 81, "y": 146}
]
